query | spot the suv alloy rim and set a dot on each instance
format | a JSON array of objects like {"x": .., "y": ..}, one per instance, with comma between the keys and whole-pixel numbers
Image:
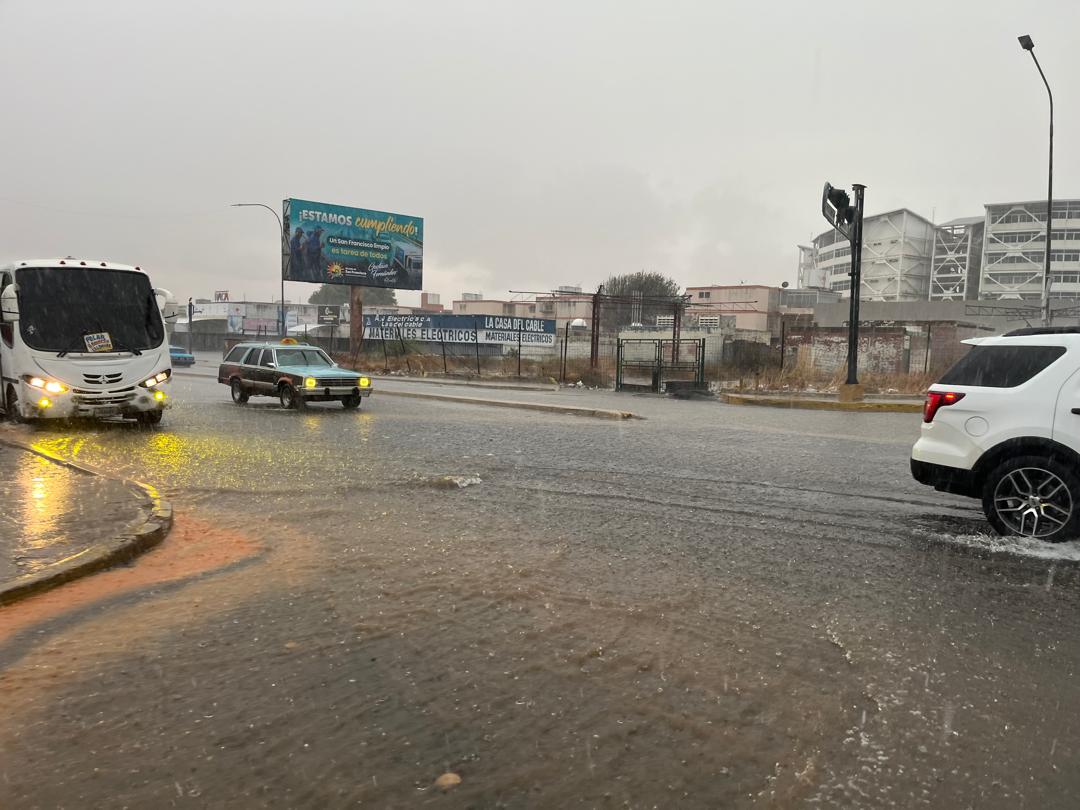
[{"x": 1033, "y": 502}]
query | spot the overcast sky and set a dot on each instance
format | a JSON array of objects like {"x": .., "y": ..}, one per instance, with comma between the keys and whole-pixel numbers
[{"x": 544, "y": 143}]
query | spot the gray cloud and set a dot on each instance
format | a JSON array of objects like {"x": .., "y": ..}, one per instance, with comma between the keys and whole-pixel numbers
[{"x": 544, "y": 143}]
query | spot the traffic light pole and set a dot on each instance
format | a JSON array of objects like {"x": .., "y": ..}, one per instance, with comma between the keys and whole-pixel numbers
[{"x": 856, "y": 286}]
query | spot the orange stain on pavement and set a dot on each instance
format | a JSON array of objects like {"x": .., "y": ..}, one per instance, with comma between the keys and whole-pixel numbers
[{"x": 193, "y": 547}]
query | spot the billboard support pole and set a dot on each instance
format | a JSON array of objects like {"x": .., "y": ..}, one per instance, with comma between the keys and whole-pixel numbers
[
  {"x": 520, "y": 322},
  {"x": 356, "y": 320}
]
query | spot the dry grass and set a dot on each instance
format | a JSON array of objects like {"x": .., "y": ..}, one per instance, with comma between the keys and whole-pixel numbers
[
  {"x": 803, "y": 380},
  {"x": 547, "y": 369}
]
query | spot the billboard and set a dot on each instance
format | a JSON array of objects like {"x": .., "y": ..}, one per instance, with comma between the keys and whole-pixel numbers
[
  {"x": 329, "y": 313},
  {"x": 333, "y": 244},
  {"x": 504, "y": 331}
]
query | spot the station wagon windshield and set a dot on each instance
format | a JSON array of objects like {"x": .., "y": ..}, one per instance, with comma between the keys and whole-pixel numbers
[
  {"x": 58, "y": 305},
  {"x": 302, "y": 357}
]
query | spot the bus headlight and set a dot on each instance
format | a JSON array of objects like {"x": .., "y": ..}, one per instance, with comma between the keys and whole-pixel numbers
[
  {"x": 158, "y": 378},
  {"x": 42, "y": 384}
]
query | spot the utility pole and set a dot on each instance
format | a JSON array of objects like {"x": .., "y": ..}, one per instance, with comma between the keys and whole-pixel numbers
[{"x": 595, "y": 353}]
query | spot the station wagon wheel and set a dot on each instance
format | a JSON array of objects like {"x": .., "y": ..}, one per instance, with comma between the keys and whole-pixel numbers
[
  {"x": 1033, "y": 497},
  {"x": 239, "y": 395},
  {"x": 289, "y": 398}
]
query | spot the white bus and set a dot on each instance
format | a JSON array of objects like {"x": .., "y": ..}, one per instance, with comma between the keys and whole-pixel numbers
[{"x": 82, "y": 339}]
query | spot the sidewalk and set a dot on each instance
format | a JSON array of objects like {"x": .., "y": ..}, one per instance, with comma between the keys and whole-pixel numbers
[
  {"x": 59, "y": 522},
  {"x": 886, "y": 403}
]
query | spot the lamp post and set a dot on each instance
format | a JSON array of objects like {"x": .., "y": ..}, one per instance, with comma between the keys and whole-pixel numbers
[
  {"x": 281, "y": 230},
  {"x": 1029, "y": 45}
]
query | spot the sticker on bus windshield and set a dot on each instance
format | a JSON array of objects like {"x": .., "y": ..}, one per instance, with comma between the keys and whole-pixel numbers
[{"x": 98, "y": 342}]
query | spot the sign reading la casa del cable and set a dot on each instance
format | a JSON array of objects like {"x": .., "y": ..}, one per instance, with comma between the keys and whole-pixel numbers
[{"x": 505, "y": 331}]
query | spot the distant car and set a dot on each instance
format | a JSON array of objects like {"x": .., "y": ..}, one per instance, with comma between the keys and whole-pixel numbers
[
  {"x": 181, "y": 356},
  {"x": 1003, "y": 425},
  {"x": 293, "y": 372}
]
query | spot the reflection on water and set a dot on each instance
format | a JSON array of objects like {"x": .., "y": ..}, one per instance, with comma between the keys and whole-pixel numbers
[
  {"x": 47, "y": 496},
  {"x": 51, "y": 512}
]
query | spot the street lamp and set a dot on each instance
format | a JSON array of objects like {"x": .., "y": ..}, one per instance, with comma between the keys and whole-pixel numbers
[
  {"x": 1028, "y": 45},
  {"x": 281, "y": 230}
]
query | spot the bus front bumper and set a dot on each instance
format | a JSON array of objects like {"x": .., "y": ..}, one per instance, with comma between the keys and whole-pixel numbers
[{"x": 82, "y": 404}]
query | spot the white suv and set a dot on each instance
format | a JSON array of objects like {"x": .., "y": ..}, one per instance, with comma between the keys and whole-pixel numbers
[{"x": 1003, "y": 425}]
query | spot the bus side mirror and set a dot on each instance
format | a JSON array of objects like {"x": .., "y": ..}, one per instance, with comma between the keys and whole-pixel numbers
[
  {"x": 166, "y": 302},
  {"x": 9, "y": 304}
]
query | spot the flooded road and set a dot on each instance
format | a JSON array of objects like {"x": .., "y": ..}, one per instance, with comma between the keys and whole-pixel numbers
[{"x": 712, "y": 607}]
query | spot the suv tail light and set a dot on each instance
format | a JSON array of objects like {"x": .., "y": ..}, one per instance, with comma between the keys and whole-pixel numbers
[{"x": 936, "y": 400}]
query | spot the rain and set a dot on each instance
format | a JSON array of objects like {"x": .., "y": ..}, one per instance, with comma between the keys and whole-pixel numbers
[{"x": 493, "y": 570}]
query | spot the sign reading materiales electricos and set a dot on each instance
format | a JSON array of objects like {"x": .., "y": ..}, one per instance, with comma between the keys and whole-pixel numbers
[
  {"x": 506, "y": 331},
  {"x": 334, "y": 244}
]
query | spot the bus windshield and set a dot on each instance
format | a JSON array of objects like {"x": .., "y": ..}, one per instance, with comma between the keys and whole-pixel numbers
[{"x": 59, "y": 305}]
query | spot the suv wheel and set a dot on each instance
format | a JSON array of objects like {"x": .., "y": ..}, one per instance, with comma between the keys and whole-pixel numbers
[{"x": 1033, "y": 497}]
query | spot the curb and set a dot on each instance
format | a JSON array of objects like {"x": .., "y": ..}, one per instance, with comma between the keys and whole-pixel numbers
[
  {"x": 449, "y": 381},
  {"x": 570, "y": 410},
  {"x": 823, "y": 404},
  {"x": 134, "y": 541}
]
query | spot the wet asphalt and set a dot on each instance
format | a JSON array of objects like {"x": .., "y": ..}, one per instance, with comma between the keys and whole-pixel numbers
[{"x": 712, "y": 606}]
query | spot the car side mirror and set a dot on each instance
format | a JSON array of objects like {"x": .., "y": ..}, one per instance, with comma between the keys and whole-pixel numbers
[{"x": 9, "y": 304}]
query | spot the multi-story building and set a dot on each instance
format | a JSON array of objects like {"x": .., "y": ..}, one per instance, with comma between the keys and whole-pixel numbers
[
  {"x": 753, "y": 306},
  {"x": 957, "y": 260},
  {"x": 491, "y": 306},
  {"x": 896, "y": 252},
  {"x": 809, "y": 274},
  {"x": 1014, "y": 245}
]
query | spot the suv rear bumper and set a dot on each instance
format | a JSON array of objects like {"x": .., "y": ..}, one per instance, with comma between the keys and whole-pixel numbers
[{"x": 945, "y": 479}]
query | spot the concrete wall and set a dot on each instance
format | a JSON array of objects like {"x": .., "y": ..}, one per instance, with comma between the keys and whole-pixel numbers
[{"x": 885, "y": 312}]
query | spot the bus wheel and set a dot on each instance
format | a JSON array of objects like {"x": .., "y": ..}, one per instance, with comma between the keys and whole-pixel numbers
[
  {"x": 150, "y": 418},
  {"x": 12, "y": 405}
]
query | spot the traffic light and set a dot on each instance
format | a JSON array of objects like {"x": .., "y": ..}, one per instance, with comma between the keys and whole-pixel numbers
[{"x": 844, "y": 212}]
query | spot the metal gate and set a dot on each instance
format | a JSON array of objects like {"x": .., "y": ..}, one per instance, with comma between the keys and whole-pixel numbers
[{"x": 658, "y": 365}]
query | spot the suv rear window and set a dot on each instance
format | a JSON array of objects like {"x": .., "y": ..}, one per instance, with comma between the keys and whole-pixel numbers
[
  {"x": 235, "y": 355},
  {"x": 1001, "y": 366}
]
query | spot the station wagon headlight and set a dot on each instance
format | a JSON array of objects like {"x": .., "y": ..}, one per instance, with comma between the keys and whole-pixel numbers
[
  {"x": 364, "y": 382},
  {"x": 310, "y": 382},
  {"x": 157, "y": 379},
  {"x": 42, "y": 384}
]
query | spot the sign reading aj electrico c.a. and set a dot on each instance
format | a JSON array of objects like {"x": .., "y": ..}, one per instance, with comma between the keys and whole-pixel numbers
[
  {"x": 333, "y": 244},
  {"x": 461, "y": 329}
]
